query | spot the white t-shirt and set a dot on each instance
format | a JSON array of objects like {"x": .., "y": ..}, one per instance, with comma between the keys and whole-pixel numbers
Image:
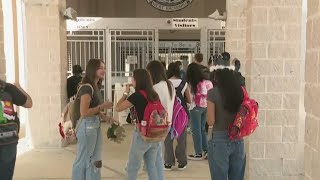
[
  {"x": 176, "y": 83},
  {"x": 162, "y": 89}
]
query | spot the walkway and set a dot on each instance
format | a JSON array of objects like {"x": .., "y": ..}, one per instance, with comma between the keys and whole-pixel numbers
[{"x": 56, "y": 164}]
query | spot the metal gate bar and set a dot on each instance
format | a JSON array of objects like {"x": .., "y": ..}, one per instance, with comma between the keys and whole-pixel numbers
[
  {"x": 83, "y": 45},
  {"x": 216, "y": 41}
]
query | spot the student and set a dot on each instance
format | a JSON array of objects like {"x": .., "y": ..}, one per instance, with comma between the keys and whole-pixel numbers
[
  {"x": 10, "y": 95},
  {"x": 198, "y": 59},
  {"x": 140, "y": 149},
  {"x": 237, "y": 66},
  {"x": 183, "y": 74},
  {"x": 73, "y": 81},
  {"x": 167, "y": 94},
  {"x": 88, "y": 160},
  {"x": 199, "y": 86},
  {"x": 181, "y": 148},
  {"x": 227, "y": 159}
]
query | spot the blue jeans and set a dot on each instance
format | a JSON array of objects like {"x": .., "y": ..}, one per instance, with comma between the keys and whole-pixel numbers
[
  {"x": 140, "y": 150},
  {"x": 160, "y": 161},
  {"x": 198, "y": 125},
  {"x": 8, "y": 155},
  {"x": 227, "y": 159},
  {"x": 87, "y": 164}
]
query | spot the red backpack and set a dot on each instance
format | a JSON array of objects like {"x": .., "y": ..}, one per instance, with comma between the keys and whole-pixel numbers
[
  {"x": 154, "y": 126},
  {"x": 246, "y": 120}
]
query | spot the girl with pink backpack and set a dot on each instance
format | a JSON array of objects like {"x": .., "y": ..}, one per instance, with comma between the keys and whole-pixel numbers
[{"x": 179, "y": 121}]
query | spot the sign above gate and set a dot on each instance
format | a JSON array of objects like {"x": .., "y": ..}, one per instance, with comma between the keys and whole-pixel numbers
[
  {"x": 169, "y": 5},
  {"x": 184, "y": 23},
  {"x": 82, "y": 23}
]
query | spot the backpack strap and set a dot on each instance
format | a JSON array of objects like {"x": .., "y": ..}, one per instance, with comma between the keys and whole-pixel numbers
[
  {"x": 87, "y": 84},
  {"x": 144, "y": 94},
  {"x": 245, "y": 93},
  {"x": 181, "y": 86}
]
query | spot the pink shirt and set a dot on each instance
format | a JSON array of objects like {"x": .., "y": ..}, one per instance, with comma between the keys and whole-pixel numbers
[{"x": 200, "y": 97}]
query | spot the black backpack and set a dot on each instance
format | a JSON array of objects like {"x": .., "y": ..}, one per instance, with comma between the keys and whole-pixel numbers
[
  {"x": 9, "y": 122},
  {"x": 181, "y": 97}
]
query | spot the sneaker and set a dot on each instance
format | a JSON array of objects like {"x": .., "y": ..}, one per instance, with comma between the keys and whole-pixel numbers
[
  {"x": 167, "y": 167},
  {"x": 182, "y": 166},
  {"x": 197, "y": 157},
  {"x": 205, "y": 155}
]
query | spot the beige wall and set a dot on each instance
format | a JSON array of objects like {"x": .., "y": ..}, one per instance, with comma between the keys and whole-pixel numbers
[
  {"x": 46, "y": 68},
  {"x": 140, "y": 8},
  {"x": 312, "y": 92},
  {"x": 267, "y": 35},
  {"x": 274, "y": 54},
  {"x": 2, "y": 58},
  {"x": 236, "y": 30}
]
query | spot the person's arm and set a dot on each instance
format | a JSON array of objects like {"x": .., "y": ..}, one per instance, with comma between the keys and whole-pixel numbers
[
  {"x": 85, "y": 99},
  {"x": 85, "y": 109},
  {"x": 211, "y": 113},
  {"x": 123, "y": 103},
  {"x": 28, "y": 103}
]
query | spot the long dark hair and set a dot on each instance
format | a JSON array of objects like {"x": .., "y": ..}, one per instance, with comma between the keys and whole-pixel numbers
[
  {"x": 174, "y": 70},
  {"x": 90, "y": 75},
  {"x": 230, "y": 89},
  {"x": 144, "y": 82},
  {"x": 158, "y": 73},
  {"x": 195, "y": 75}
]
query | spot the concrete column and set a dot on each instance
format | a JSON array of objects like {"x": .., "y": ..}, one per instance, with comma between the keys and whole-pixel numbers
[
  {"x": 274, "y": 48},
  {"x": 2, "y": 57},
  {"x": 236, "y": 25},
  {"x": 46, "y": 66},
  {"x": 312, "y": 92}
]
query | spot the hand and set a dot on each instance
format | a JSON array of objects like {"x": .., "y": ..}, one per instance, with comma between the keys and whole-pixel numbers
[
  {"x": 107, "y": 105},
  {"x": 108, "y": 119},
  {"x": 127, "y": 88}
]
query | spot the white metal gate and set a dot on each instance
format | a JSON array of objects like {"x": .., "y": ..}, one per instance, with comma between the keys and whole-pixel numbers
[
  {"x": 171, "y": 51},
  {"x": 130, "y": 49},
  {"x": 83, "y": 45},
  {"x": 216, "y": 41}
]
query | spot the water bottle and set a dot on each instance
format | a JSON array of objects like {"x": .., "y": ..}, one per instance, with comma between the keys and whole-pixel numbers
[
  {"x": 2, "y": 119},
  {"x": 143, "y": 127}
]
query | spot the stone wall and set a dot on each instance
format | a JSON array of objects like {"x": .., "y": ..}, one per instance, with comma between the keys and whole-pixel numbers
[
  {"x": 272, "y": 50},
  {"x": 2, "y": 57},
  {"x": 46, "y": 68},
  {"x": 312, "y": 92},
  {"x": 236, "y": 30}
]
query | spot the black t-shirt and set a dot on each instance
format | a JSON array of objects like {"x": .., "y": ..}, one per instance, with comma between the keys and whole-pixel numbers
[
  {"x": 72, "y": 85},
  {"x": 139, "y": 103},
  {"x": 18, "y": 98},
  {"x": 97, "y": 98}
]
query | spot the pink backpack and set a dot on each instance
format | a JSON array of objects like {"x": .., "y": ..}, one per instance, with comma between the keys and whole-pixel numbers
[
  {"x": 154, "y": 126},
  {"x": 246, "y": 120},
  {"x": 179, "y": 119}
]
